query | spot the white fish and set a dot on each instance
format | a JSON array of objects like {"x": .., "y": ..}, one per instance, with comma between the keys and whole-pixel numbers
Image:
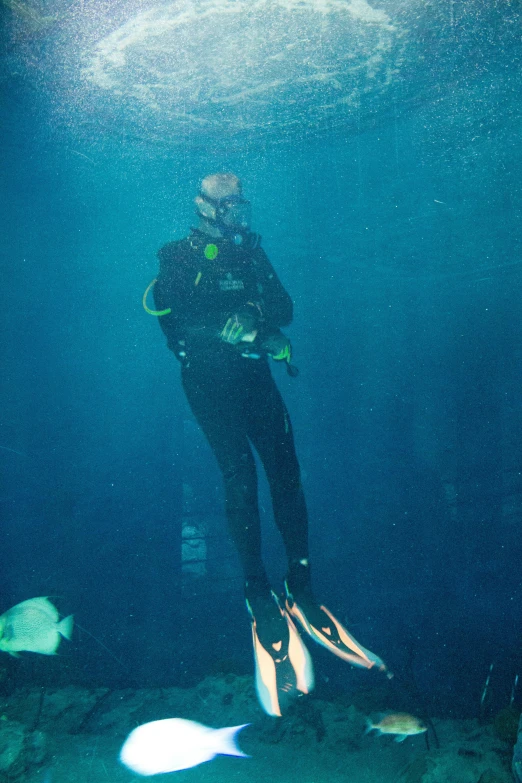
[
  {"x": 173, "y": 744},
  {"x": 34, "y": 626}
]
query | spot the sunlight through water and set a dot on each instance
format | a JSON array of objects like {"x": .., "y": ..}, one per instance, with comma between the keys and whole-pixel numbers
[{"x": 245, "y": 65}]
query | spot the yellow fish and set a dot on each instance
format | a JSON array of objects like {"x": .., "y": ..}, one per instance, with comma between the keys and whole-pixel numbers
[
  {"x": 34, "y": 626},
  {"x": 401, "y": 724}
]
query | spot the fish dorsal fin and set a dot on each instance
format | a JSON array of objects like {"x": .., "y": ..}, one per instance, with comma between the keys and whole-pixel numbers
[{"x": 43, "y": 604}]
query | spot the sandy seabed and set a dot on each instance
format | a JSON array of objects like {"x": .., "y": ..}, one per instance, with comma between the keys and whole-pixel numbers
[{"x": 74, "y": 735}]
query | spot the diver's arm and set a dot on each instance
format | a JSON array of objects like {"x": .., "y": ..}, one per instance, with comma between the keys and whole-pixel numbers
[{"x": 278, "y": 309}]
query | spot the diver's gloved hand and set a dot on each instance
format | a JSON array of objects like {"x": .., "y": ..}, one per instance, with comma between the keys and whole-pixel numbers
[
  {"x": 240, "y": 327},
  {"x": 278, "y": 346}
]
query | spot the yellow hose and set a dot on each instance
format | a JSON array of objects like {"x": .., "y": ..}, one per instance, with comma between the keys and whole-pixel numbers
[{"x": 144, "y": 302}]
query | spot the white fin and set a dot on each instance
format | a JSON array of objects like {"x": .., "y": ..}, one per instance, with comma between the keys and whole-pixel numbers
[
  {"x": 400, "y": 737},
  {"x": 266, "y": 678},
  {"x": 225, "y": 740},
  {"x": 65, "y": 626},
  {"x": 300, "y": 658}
]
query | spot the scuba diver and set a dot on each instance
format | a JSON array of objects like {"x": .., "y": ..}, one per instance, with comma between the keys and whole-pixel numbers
[{"x": 222, "y": 307}]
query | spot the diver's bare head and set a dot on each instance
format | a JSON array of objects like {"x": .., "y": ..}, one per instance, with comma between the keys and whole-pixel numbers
[
  {"x": 220, "y": 205},
  {"x": 218, "y": 186}
]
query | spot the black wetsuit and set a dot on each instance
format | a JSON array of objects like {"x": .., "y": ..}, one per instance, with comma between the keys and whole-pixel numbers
[{"x": 233, "y": 396}]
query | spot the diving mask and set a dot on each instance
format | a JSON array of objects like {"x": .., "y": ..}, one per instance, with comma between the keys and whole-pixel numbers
[{"x": 232, "y": 212}]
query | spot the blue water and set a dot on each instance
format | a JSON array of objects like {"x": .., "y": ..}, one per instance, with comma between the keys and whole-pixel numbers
[{"x": 393, "y": 219}]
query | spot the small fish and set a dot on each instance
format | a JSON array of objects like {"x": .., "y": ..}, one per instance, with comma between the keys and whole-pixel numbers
[
  {"x": 33, "y": 626},
  {"x": 399, "y": 723},
  {"x": 173, "y": 744}
]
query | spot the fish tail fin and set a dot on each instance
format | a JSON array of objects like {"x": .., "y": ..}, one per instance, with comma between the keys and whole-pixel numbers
[
  {"x": 369, "y": 726},
  {"x": 226, "y": 740},
  {"x": 65, "y": 626}
]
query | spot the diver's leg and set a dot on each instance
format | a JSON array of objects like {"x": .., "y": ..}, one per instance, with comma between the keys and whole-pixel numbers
[
  {"x": 283, "y": 666},
  {"x": 271, "y": 433},
  {"x": 224, "y": 430},
  {"x": 270, "y": 430}
]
